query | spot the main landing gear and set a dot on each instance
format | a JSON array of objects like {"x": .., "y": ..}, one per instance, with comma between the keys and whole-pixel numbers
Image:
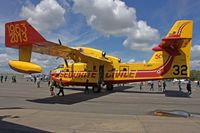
[
  {"x": 109, "y": 87},
  {"x": 98, "y": 88}
]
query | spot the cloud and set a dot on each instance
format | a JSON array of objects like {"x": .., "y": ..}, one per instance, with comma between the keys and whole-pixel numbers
[
  {"x": 2, "y": 32},
  {"x": 114, "y": 17},
  {"x": 195, "y": 65},
  {"x": 195, "y": 52},
  {"x": 46, "y": 62},
  {"x": 84, "y": 38},
  {"x": 195, "y": 61},
  {"x": 131, "y": 61},
  {"x": 45, "y": 16},
  {"x": 196, "y": 47},
  {"x": 2, "y": 29},
  {"x": 6, "y": 54},
  {"x": 73, "y": 39},
  {"x": 4, "y": 57}
]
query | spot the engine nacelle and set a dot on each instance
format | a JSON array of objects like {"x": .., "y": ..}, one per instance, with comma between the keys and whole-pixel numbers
[{"x": 24, "y": 67}]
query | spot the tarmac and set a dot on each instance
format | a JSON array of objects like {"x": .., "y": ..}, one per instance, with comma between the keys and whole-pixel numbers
[{"x": 26, "y": 108}]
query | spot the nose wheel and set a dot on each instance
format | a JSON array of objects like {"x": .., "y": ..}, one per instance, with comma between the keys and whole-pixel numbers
[
  {"x": 96, "y": 89},
  {"x": 109, "y": 87}
]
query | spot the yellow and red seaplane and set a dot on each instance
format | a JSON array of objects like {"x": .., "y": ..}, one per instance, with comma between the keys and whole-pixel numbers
[{"x": 171, "y": 58}]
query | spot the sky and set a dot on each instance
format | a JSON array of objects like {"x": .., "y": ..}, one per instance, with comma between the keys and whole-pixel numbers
[{"x": 127, "y": 29}]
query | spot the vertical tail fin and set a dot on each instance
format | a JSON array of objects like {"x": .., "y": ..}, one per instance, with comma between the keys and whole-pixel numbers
[
  {"x": 176, "y": 44},
  {"x": 21, "y": 35}
]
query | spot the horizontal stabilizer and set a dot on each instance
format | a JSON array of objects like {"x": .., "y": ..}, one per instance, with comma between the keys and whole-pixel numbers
[{"x": 179, "y": 35}]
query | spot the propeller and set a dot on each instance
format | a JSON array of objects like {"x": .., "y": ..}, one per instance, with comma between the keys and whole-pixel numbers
[{"x": 66, "y": 63}]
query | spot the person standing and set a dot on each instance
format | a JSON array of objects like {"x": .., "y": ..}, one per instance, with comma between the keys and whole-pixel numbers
[
  {"x": 15, "y": 80},
  {"x": 49, "y": 82},
  {"x": 198, "y": 85},
  {"x": 164, "y": 85},
  {"x": 34, "y": 79},
  {"x": 86, "y": 87},
  {"x": 61, "y": 87},
  {"x": 179, "y": 85},
  {"x": 141, "y": 84},
  {"x": 189, "y": 88},
  {"x": 1, "y": 78},
  {"x": 151, "y": 88},
  {"x": 38, "y": 81},
  {"x": 6, "y": 78},
  {"x": 159, "y": 85},
  {"x": 52, "y": 85}
]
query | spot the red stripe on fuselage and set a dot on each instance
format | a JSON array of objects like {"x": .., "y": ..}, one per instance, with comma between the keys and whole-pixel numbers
[
  {"x": 157, "y": 72},
  {"x": 139, "y": 74}
]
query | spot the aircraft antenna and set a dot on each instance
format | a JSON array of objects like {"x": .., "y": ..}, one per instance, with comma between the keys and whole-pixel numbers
[{"x": 66, "y": 63}]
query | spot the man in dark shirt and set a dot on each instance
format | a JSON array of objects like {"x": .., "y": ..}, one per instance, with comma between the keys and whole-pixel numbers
[
  {"x": 86, "y": 87},
  {"x": 61, "y": 88},
  {"x": 189, "y": 88}
]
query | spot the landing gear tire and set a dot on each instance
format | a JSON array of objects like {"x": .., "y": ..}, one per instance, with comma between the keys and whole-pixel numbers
[
  {"x": 96, "y": 89},
  {"x": 109, "y": 87}
]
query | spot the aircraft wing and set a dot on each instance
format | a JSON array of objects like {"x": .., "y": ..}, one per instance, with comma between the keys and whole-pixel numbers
[
  {"x": 21, "y": 35},
  {"x": 54, "y": 49}
]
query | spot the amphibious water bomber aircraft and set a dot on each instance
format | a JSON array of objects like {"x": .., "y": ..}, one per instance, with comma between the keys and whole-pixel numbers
[{"x": 93, "y": 67}]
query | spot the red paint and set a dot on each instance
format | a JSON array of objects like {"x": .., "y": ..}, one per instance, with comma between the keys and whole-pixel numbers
[
  {"x": 156, "y": 72},
  {"x": 126, "y": 74},
  {"x": 93, "y": 75},
  {"x": 172, "y": 43},
  {"x": 21, "y": 33},
  {"x": 78, "y": 74}
]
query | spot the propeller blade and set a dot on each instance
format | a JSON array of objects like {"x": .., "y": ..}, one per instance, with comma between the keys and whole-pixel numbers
[
  {"x": 66, "y": 63},
  {"x": 59, "y": 42}
]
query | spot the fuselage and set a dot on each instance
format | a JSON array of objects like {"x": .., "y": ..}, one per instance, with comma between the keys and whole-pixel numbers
[{"x": 114, "y": 72}]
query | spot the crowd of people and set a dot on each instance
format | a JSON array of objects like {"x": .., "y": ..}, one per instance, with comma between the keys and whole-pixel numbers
[
  {"x": 162, "y": 85},
  {"x": 4, "y": 78},
  {"x": 52, "y": 84}
]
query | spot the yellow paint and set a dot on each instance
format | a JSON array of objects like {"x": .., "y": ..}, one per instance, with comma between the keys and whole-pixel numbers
[
  {"x": 116, "y": 71},
  {"x": 24, "y": 67},
  {"x": 25, "y": 53},
  {"x": 90, "y": 51},
  {"x": 186, "y": 31},
  {"x": 88, "y": 61}
]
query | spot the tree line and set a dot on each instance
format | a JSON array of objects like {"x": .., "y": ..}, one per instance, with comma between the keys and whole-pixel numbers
[{"x": 195, "y": 75}]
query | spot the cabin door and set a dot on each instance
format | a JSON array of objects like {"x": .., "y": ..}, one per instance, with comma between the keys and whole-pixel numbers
[{"x": 101, "y": 74}]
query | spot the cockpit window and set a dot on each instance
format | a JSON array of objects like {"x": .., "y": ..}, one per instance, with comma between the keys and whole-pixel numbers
[
  {"x": 60, "y": 66},
  {"x": 124, "y": 69},
  {"x": 103, "y": 54}
]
